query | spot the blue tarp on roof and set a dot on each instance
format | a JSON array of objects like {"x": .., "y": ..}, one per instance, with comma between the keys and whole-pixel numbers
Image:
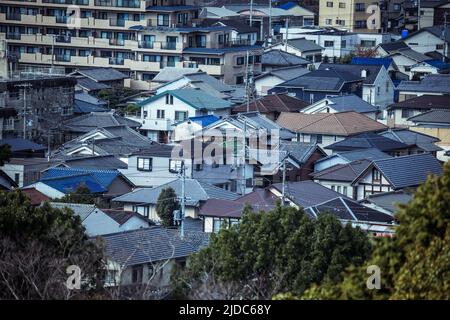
[
  {"x": 71, "y": 183},
  {"x": 102, "y": 177},
  {"x": 386, "y": 62},
  {"x": 205, "y": 120}
]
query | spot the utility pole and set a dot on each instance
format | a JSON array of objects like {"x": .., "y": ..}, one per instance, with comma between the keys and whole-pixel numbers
[
  {"x": 445, "y": 51},
  {"x": 25, "y": 113},
  {"x": 418, "y": 14},
  {"x": 53, "y": 51},
  {"x": 283, "y": 182},
  {"x": 251, "y": 13},
  {"x": 183, "y": 198},
  {"x": 287, "y": 34},
  {"x": 270, "y": 22}
]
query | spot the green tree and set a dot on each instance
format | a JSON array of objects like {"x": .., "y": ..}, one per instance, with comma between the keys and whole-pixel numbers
[
  {"x": 81, "y": 195},
  {"x": 5, "y": 153},
  {"x": 37, "y": 244},
  {"x": 415, "y": 264},
  {"x": 282, "y": 250},
  {"x": 165, "y": 206}
]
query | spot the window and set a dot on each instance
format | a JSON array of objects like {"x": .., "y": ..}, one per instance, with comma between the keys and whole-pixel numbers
[
  {"x": 440, "y": 47},
  {"x": 199, "y": 167},
  {"x": 368, "y": 43},
  {"x": 169, "y": 99},
  {"x": 360, "y": 7},
  {"x": 181, "y": 115},
  {"x": 413, "y": 44},
  {"x": 217, "y": 224},
  {"x": 378, "y": 90},
  {"x": 328, "y": 43},
  {"x": 376, "y": 175},
  {"x": 174, "y": 166},
  {"x": 344, "y": 190},
  {"x": 160, "y": 114},
  {"x": 136, "y": 276},
  {"x": 397, "y": 7},
  {"x": 239, "y": 80},
  {"x": 406, "y": 113},
  {"x": 338, "y": 189},
  {"x": 329, "y": 4},
  {"x": 144, "y": 164},
  {"x": 340, "y": 22},
  {"x": 360, "y": 24},
  {"x": 240, "y": 60},
  {"x": 249, "y": 183},
  {"x": 142, "y": 210},
  {"x": 163, "y": 20},
  {"x": 343, "y": 44},
  {"x": 342, "y": 5},
  {"x": 333, "y": 188},
  {"x": 318, "y": 138},
  {"x": 17, "y": 178},
  {"x": 328, "y": 21}
]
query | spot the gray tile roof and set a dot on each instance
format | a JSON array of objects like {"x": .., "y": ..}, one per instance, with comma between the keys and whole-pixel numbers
[
  {"x": 413, "y": 138},
  {"x": 151, "y": 245},
  {"x": 96, "y": 162},
  {"x": 389, "y": 200},
  {"x": 195, "y": 192},
  {"x": 93, "y": 120},
  {"x": 304, "y": 45},
  {"x": 81, "y": 210},
  {"x": 372, "y": 71},
  {"x": 351, "y": 102},
  {"x": 342, "y": 172},
  {"x": 433, "y": 83},
  {"x": 370, "y": 154},
  {"x": 299, "y": 151},
  {"x": 408, "y": 171},
  {"x": 168, "y": 74},
  {"x": 393, "y": 46},
  {"x": 102, "y": 74},
  {"x": 367, "y": 140},
  {"x": 307, "y": 193},
  {"x": 424, "y": 102},
  {"x": 412, "y": 54},
  {"x": 281, "y": 58},
  {"x": 91, "y": 85},
  {"x": 433, "y": 116}
]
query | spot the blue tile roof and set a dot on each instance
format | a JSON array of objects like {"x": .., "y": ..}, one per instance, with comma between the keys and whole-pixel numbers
[
  {"x": 86, "y": 107},
  {"x": 408, "y": 171},
  {"x": 69, "y": 184},
  {"x": 103, "y": 177}
]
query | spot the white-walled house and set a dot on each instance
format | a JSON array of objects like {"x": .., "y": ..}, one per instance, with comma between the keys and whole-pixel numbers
[
  {"x": 430, "y": 39},
  {"x": 159, "y": 113},
  {"x": 303, "y": 48},
  {"x": 187, "y": 129}
]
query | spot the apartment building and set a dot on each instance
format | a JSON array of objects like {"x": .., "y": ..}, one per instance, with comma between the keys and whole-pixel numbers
[
  {"x": 137, "y": 37},
  {"x": 349, "y": 15}
]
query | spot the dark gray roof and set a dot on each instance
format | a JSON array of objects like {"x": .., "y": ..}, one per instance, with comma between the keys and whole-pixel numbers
[
  {"x": 151, "y": 245},
  {"x": 342, "y": 172},
  {"x": 304, "y": 45},
  {"x": 96, "y": 162},
  {"x": 424, "y": 102},
  {"x": 195, "y": 192},
  {"x": 413, "y": 138},
  {"x": 299, "y": 151},
  {"x": 412, "y": 54},
  {"x": 281, "y": 58},
  {"x": 408, "y": 171},
  {"x": 351, "y": 102},
  {"x": 437, "y": 83},
  {"x": 307, "y": 193},
  {"x": 19, "y": 144},
  {"x": 393, "y": 46},
  {"x": 365, "y": 141},
  {"x": 91, "y": 85},
  {"x": 324, "y": 80},
  {"x": 438, "y": 31},
  {"x": 389, "y": 200},
  {"x": 238, "y": 25},
  {"x": 102, "y": 74},
  {"x": 433, "y": 116},
  {"x": 79, "y": 209},
  {"x": 156, "y": 150},
  {"x": 370, "y": 154},
  {"x": 93, "y": 120},
  {"x": 346, "y": 209},
  {"x": 372, "y": 71}
]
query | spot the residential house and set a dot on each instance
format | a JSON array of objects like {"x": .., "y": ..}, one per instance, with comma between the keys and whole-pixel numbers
[
  {"x": 387, "y": 202},
  {"x": 318, "y": 84},
  {"x": 396, "y": 173},
  {"x": 406, "y": 59},
  {"x": 277, "y": 58},
  {"x": 241, "y": 32},
  {"x": 432, "y": 38},
  {"x": 217, "y": 13},
  {"x": 160, "y": 112},
  {"x": 119, "y": 140},
  {"x": 369, "y": 140},
  {"x": 342, "y": 103},
  {"x": 169, "y": 74},
  {"x": 146, "y": 257},
  {"x": 24, "y": 171},
  {"x": 6, "y": 183},
  {"x": 432, "y": 84},
  {"x": 36, "y": 197},
  {"x": 400, "y": 112},
  {"x": 421, "y": 69},
  {"x": 300, "y": 15},
  {"x": 127, "y": 220},
  {"x": 339, "y": 177},
  {"x": 303, "y": 48},
  {"x": 385, "y": 49},
  {"x": 327, "y": 128},
  {"x": 433, "y": 13},
  {"x": 86, "y": 103},
  {"x": 377, "y": 87},
  {"x": 435, "y": 123},
  {"x": 349, "y": 156},
  {"x": 144, "y": 200},
  {"x": 387, "y": 62},
  {"x": 267, "y": 80},
  {"x": 187, "y": 129},
  {"x": 416, "y": 141},
  {"x": 92, "y": 80},
  {"x": 272, "y": 105},
  {"x": 57, "y": 182},
  {"x": 22, "y": 148},
  {"x": 80, "y": 125},
  {"x": 105, "y": 162}
]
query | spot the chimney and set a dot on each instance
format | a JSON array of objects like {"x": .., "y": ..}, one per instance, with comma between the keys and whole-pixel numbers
[{"x": 363, "y": 73}]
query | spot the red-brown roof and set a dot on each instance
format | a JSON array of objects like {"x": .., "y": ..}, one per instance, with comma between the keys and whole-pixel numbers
[
  {"x": 423, "y": 102},
  {"x": 273, "y": 103},
  {"x": 36, "y": 197}
]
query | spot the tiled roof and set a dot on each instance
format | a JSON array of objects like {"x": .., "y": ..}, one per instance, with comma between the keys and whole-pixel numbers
[
  {"x": 340, "y": 123},
  {"x": 350, "y": 102},
  {"x": 103, "y": 177},
  {"x": 102, "y": 74},
  {"x": 433, "y": 83},
  {"x": 122, "y": 216},
  {"x": 35, "y": 196},
  {"x": 299, "y": 151},
  {"x": 369, "y": 154},
  {"x": 408, "y": 171},
  {"x": 413, "y": 138},
  {"x": 79, "y": 209},
  {"x": 273, "y": 103},
  {"x": 433, "y": 116},
  {"x": 372, "y": 71},
  {"x": 342, "y": 172},
  {"x": 19, "y": 144},
  {"x": 91, "y": 85},
  {"x": 304, "y": 45},
  {"x": 423, "y": 102},
  {"x": 412, "y": 54},
  {"x": 307, "y": 193},
  {"x": 204, "y": 120},
  {"x": 67, "y": 184},
  {"x": 88, "y": 122},
  {"x": 238, "y": 25},
  {"x": 195, "y": 192},
  {"x": 86, "y": 107},
  {"x": 96, "y": 162},
  {"x": 366, "y": 141},
  {"x": 150, "y": 245},
  {"x": 386, "y": 62},
  {"x": 393, "y": 46},
  {"x": 390, "y": 200},
  {"x": 347, "y": 209},
  {"x": 170, "y": 73},
  {"x": 282, "y": 58},
  {"x": 221, "y": 208}
]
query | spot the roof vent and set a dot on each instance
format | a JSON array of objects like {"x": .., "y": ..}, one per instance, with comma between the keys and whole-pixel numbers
[{"x": 363, "y": 73}]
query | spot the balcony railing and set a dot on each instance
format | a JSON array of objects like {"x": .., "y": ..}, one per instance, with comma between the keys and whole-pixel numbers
[
  {"x": 63, "y": 39},
  {"x": 58, "y": 1},
  {"x": 116, "y": 61},
  {"x": 117, "y": 42},
  {"x": 169, "y": 45},
  {"x": 119, "y": 3},
  {"x": 13, "y": 36},
  {"x": 13, "y": 16},
  {"x": 63, "y": 57},
  {"x": 117, "y": 22},
  {"x": 61, "y": 19},
  {"x": 146, "y": 44}
]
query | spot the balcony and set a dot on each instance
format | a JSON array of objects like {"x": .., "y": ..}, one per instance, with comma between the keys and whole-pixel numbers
[
  {"x": 13, "y": 16},
  {"x": 119, "y": 3},
  {"x": 63, "y": 57},
  {"x": 169, "y": 45},
  {"x": 146, "y": 44},
  {"x": 13, "y": 36},
  {"x": 116, "y": 61},
  {"x": 117, "y": 42},
  {"x": 117, "y": 22},
  {"x": 153, "y": 123},
  {"x": 61, "y": 19},
  {"x": 62, "y": 39}
]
